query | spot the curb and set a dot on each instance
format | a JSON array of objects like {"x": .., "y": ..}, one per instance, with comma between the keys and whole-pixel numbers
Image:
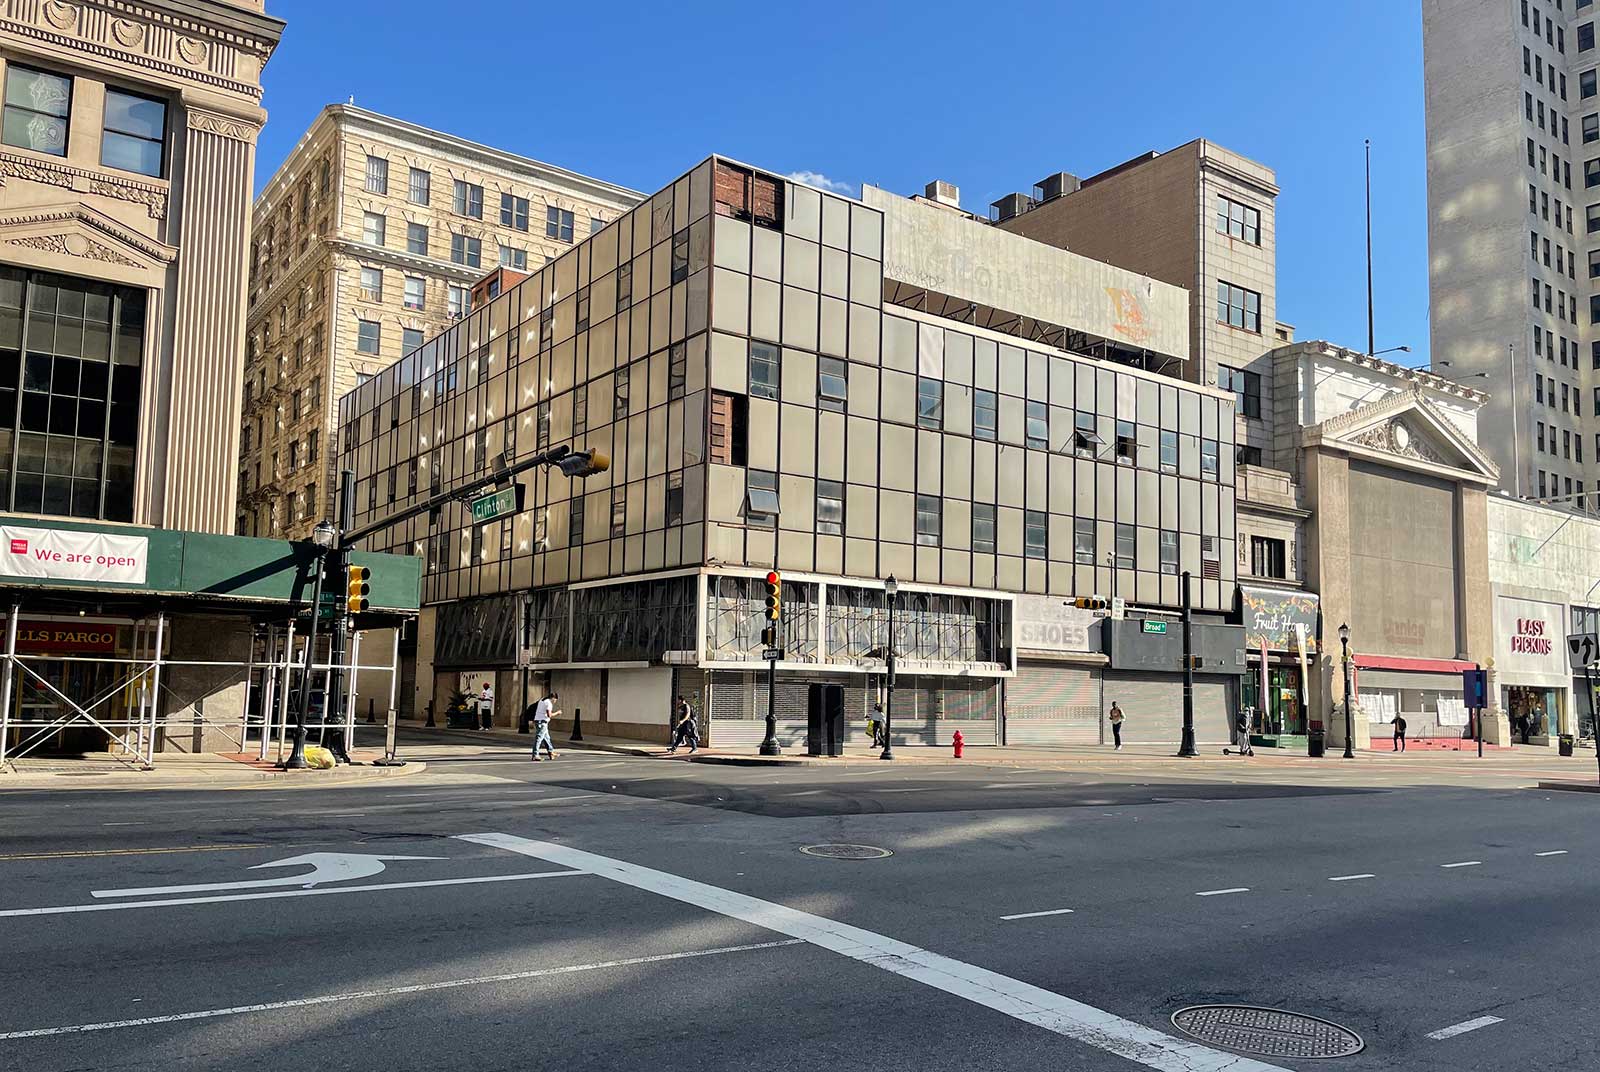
[
  {"x": 229, "y": 780},
  {"x": 1570, "y": 787}
]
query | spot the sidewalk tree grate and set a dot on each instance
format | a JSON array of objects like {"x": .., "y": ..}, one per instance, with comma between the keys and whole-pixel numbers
[
  {"x": 846, "y": 852},
  {"x": 1268, "y": 1032}
]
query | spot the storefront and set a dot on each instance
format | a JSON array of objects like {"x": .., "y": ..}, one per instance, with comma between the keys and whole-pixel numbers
[
  {"x": 1281, "y": 636},
  {"x": 1534, "y": 679},
  {"x": 1144, "y": 677},
  {"x": 68, "y": 656},
  {"x": 1055, "y": 697}
]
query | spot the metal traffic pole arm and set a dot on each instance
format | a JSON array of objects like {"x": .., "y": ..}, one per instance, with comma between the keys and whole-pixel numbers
[{"x": 573, "y": 463}]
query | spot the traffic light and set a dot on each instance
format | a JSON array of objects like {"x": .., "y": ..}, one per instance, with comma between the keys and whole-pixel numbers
[
  {"x": 585, "y": 462},
  {"x": 774, "y": 597},
  {"x": 1090, "y": 603},
  {"x": 357, "y": 589}
]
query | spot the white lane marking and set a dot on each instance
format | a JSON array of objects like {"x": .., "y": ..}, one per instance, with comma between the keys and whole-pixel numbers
[
  {"x": 1552, "y": 852},
  {"x": 327, "y": 891},
  {"x": 1012, "y": 997},
  {"x": 807, "y": 793},
  {"x": 1348, "y": 878},
  {"x": 1463, "y": 863},
  {"x": 1035, "y": 915},
  {"x": 1462, "y": 1028},
  {"x": 344, "y": 814},
  {"x": 923, "y": 789},
  {"x": 123, "y": 824},
  {"x": 389, "y": 991},
  {"x": 1219, "y": 893},
  {"x": 1016, "y": 785}
]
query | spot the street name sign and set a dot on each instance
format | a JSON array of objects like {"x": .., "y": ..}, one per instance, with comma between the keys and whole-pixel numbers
[
  {"x": 497, "y": 504},
  {"x": 1153, "y": 626}
]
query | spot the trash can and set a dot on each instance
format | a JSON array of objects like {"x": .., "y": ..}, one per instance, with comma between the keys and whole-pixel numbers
[
  {"x": 1564, "y": 744},
  {"x": 1316, "y": 741}
]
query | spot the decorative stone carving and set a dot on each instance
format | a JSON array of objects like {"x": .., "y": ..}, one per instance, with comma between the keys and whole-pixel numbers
[
  {"x": 16, "y": 167},
  {"x": 192, "y": 51},
  {"x": 1394, "y": 437},
  {"x": 153, "y": 198},
  {"x": 61, "y": 15},
  {"x": 150, "y": 195},
  {"x": 127, "y": 32},
  {"x": 222, "y": 126},
  {"x": 75, "y": 245}
]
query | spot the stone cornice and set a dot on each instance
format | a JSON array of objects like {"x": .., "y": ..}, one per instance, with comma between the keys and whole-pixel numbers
[
  {"x": 153, "y": 196},
  {"x": 88, "y": 218},
  {"x": 402, "y": 259},
  {"x": 194, "y": 40},
  {"x": 1340, "y": 431},
  {"x": 224, "y": 126}
]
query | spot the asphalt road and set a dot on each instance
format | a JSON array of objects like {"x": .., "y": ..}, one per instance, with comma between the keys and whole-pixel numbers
[{"x": 621, "y": 913}]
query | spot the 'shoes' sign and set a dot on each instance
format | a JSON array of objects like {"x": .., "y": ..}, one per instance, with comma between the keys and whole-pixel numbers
[{"x": 64, "y": 555}]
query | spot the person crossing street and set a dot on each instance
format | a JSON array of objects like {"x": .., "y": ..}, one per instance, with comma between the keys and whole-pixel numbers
[{"x": 543, "y": 712}]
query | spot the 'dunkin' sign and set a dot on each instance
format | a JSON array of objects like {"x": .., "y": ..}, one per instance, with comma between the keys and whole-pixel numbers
[{"x": 71, "y": 555}]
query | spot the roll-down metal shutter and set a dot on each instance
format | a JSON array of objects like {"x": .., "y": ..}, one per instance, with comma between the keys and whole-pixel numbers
[
  {"x": 1051, "y": 704},
  {"x": 1153, "y": 704}
]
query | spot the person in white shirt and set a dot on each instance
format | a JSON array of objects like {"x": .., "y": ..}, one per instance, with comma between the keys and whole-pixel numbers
[
  {"x": 486, "y": 706},
  {"x": 543, "y": 712}
]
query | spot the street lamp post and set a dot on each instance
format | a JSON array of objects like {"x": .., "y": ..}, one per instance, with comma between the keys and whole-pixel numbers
[
  {"x": 890, "y": 588},
  {"x": 1349, "y": 726},
  {"x": 325, "y": 537}
]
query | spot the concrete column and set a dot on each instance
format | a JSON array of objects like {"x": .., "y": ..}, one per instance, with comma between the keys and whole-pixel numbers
[{"x": 215, "y": 694}]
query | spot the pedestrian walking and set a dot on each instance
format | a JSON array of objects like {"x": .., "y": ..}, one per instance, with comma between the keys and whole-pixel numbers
[
  {"x": 875, "y": 725},
  {"x": 543, "y": 712},
  {"x": 1241, "y": 732},
  {"x": 683, "y": 726},
  {"x": 486, "y": 706},
  {"x": 1399, "y": 722},
  {"x": 1116, "y": 724}
]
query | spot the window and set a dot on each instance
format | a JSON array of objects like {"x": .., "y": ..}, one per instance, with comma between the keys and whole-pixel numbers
[
  {"x": 459, "y": 300},
  {"x": 983, "y": 528},
  {"x": 467, "y": 200},
  {"x": 541, "y": 426},
  {"x": 135, "y": 133},
  {"x": 416, "y": 291},
  {"x": 575, "y": 521},
  {"x": 729, "y": 432},
  {"x": 830, "y": 508},
  {"x": 930, "y": 402},
  {"x": 511, "y": 257},
  {"x": 621, "y": 389},
  {"x": 1127, "y": 443},
  {"x": 1538, "y": 387},
  {"x": 583, "y": 308},
  {"x": 674, "y": 499},
  {"x": 833, "y": 384},
  {"x": 1586, "y": 37},
  {"x": 38, "y": 108},
  {"x": 1246, "y": 388},
  {"x": 1586, "y": 85},
  {"x": 373, "y": 226},
  {"x": 928, "y": 520},
  {"x": 294, "y": 455},
  {"x": 595, "y": 223},
  {"x": 1083, "y": 541},
  {"x": 372, "y": 284},
  {"x": 1208, "y": 459},
  {"x": 580, "y": 412},
  {"x": 466, "y": 250},
  {"x": 514, "y": 212},
  {"x": 1169, "y": 452},
  {"x": 309, "y": 503},
  {"x": 1038, "y": 425},
  {"x": 1127, "y": 546},
  {"x": 367, "y": 336},
  {"x": 1035, "y": 533},
  {"x": 1566, "y": 442},
  {"x": 1238, "y": 221},
  {"x": 763, "y": 370},
  {"x": 558, "y": 224},
  {"x": 1594, "y": 309},
  {"x": 680, "y": 256},
  {"x": 761, "y": 499},
  {"x": 619, "y": 511},
  {"x": 377, "y": 175},
  {"x": 419, "y": 186},
  {"x": 985, "y": 414},
  {"x": 1169, "y": 552},
  {"x": 417, "y": 238},
  {"x": 1267, "y": 558},
  {"x": 1238, "y": 307},
  {"x": 624, "y": 286},
  {"x": 677, "y": 370},
  {"x": 410, "y": 340}
]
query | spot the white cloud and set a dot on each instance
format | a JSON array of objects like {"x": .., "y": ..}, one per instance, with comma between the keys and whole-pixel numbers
[{"x": 818, "y": 179}]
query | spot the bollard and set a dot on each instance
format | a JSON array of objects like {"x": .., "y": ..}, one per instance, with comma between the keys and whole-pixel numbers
[
  {"x": 430, "y": 721},
  {"x": 370, "y": 719},
  {"x": 577, "y": 724}
]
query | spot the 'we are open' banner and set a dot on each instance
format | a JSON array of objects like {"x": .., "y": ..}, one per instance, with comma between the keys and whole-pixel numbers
[{"x": 64, "y": 555}]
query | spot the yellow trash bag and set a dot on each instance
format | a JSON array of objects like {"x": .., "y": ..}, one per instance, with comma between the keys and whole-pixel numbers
[{"x": 318, "y": 758}]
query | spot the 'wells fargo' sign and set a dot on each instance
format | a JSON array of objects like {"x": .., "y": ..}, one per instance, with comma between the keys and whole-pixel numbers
[{"x": 66, "y": 637}]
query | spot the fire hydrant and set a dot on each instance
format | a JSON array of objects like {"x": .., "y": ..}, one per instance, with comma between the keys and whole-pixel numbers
[{"x": 955, "y": 742}]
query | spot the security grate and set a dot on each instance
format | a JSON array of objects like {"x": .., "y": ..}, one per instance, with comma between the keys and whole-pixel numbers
[{"x": 1269, "y": 1032}]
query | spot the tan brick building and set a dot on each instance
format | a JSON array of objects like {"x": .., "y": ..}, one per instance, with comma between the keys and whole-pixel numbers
[
  {"x": 127, "y": 150},
  {"x": 369, "y": 239}
]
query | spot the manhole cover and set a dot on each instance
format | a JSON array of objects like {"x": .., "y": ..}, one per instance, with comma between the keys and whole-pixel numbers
[
  {"x": 1269, "y": 1032},
  {"x": 846, "y": 852}
]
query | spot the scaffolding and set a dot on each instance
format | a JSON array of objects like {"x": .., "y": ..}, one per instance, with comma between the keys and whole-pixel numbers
[{"x": 140, "y": 708}]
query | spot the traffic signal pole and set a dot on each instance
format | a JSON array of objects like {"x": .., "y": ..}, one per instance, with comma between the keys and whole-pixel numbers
[
  {"x": 339, "y": 562},
  {"x": 1186, "y": 746},
  {"x": 772, "y": 634}
]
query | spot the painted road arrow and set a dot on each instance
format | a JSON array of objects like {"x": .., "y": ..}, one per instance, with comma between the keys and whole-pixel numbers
[{"x": 325, "y": 867}]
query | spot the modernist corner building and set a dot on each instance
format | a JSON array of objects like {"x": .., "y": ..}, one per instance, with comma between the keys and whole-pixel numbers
[{"x": 848, "y": 391}]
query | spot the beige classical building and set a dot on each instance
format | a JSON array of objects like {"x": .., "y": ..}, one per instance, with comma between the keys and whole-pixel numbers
[
  {"x": 127, "y": 150},
  {"x": 369, "y": 239}
]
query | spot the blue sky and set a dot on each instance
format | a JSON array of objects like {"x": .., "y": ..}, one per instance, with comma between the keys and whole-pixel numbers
[{"x": 897, "y": 94}]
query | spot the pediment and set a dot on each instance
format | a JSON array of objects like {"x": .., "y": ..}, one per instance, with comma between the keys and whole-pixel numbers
[
  {"x": 74, "y": 230},
  {"x": 1405, "y": 429}
]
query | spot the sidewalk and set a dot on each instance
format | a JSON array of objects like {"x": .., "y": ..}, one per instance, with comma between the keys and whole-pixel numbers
[{"x": 209, "y": 770}]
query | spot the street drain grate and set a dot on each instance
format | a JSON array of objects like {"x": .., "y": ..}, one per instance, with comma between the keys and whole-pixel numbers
[
  {"x": 1269, "y": 1032},
  {"x": 846, "y": 852}
]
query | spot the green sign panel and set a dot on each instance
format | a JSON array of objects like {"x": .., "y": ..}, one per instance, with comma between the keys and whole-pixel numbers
[
  {"x": 1152, "y": 626},
  {"x": 497, "y": 504}
]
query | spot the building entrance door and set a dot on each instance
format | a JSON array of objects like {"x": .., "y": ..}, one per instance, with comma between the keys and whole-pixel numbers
[{"x": 84, "y": 683}]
